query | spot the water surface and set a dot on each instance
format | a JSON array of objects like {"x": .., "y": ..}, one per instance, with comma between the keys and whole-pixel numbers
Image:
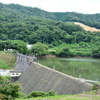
[{"x": 88, "y": 68}]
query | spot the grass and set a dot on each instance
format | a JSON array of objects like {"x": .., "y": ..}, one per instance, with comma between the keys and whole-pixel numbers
[
  {"x": 83, "y": 96},
  {"x": 7, "y": 60}
]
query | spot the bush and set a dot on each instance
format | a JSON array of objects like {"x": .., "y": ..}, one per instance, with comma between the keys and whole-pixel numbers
[
  {"x": 95, "y": 86},
  {"x": 96, "y": 52},
  {"x": 51, "y": 93},
  {"x": 46, "y": 94},
  {"x": 8, "y": 90},
  {"x": 40, "y": 49},
  {"x": 36, "y": 94},
  {"x": 7, "y": 77},
  {"x": 64, "y": 52},
  {"x": 40, "y": 94},
  {"x": 52, "y": 52},
  {"x": 20, "y": 94}
]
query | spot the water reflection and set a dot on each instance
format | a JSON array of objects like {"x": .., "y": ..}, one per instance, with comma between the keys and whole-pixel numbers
[
  {"x": 89, "y": 68},
  {"x": 88, "y": 60}
]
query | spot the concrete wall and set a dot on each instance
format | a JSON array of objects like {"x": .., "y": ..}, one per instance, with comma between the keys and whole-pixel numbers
[
  {"x": 40, "y": 78},
  {"x": 23, "y": 62}
]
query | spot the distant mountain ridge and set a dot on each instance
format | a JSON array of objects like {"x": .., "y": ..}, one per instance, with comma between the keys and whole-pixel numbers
[{"x": 16, "y": 11}]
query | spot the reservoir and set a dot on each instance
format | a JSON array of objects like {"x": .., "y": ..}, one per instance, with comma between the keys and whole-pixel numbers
[{"x": 87, "y": 68}]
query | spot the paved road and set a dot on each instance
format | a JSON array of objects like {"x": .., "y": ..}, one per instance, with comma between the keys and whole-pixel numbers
[{"x": 4, "y": 72}]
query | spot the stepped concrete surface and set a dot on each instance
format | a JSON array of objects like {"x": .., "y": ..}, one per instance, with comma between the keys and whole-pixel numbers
[
  {"x": 23, "y": 62},
  {"x": 41, "y": 78}
]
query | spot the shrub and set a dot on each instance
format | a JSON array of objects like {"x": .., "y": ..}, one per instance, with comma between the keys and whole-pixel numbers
[
  {"x": 64, "y": 52},
  {"x": 40, "y": 49},
  {"x": 96, "y": 52},
  {"x": 51, "y": 93},
  {"x": 46, "y": 94},
  {"x": 7, "y": 77},
  {"x": 8, "y": 90},
  {"x": 95, "y": 86},
  {"x": 40, "y": 94},
  {"x": 36, "y": 94},
  {"x": 52, "y": 52}
]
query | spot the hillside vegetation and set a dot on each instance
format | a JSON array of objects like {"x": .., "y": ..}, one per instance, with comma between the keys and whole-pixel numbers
[
  {"x": 7, "y": 60},
  {"x": 33, "y": 25},
  {"x": 15, "y": 12}
]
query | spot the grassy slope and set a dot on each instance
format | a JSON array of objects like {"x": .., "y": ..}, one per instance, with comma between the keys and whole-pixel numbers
[
  {"x": 84, "y": 96},
  {"x": 8, "y": 58}
]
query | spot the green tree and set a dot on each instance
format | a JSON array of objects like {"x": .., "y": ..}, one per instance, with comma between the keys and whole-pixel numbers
[
  {"x": 40, "y": 49},
  {"x": 64, "y": 52},
  {"x": 8, "y": 90},
  {"x": 22, "y": 47},
  {"x": 96, "y": 53}
]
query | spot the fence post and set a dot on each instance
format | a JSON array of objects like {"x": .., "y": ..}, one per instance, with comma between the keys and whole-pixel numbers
[
  {"x": 97, "y": 79},
  {"x": 79, "y": 76}
]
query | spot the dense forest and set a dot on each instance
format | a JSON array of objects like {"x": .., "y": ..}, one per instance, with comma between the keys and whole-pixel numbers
[
  {"x": 15, "y": 12},
  {"x": 33, "y": 25}
]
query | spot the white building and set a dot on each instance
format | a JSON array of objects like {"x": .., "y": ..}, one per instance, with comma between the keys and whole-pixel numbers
[{"x": 29, "y": 46}]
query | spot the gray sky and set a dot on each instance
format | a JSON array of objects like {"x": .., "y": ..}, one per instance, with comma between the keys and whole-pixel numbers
[{"x": 81, "y": 6}]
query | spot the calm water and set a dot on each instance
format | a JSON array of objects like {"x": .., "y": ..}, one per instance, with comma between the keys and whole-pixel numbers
[{"x": 88, "y": 68}]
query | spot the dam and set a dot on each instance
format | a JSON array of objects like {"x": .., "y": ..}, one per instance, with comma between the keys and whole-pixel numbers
[{"x": 36, "y": 77}]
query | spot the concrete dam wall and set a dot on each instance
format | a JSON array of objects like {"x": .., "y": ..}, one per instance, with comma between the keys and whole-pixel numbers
[
  {"x": 23, "y": 62},
  {"x": 37, "y": 77}
]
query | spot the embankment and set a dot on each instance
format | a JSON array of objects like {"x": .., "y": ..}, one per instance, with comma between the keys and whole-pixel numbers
[{"x": 41, "y": 78}]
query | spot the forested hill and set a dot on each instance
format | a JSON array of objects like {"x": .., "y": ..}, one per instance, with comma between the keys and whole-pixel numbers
[
  {"x": 34, "y": 25},
  {"x": 13, "y": 12}
]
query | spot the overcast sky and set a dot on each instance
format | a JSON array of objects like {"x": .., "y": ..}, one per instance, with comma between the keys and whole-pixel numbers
[{"x": 81, "y": 6}]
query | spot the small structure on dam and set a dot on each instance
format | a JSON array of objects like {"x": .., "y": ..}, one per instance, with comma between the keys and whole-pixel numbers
[{"x": 36, "y": 77}]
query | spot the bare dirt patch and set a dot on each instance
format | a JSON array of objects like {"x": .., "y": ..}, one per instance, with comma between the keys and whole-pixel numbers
[{"x": 87, "y": 28}]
